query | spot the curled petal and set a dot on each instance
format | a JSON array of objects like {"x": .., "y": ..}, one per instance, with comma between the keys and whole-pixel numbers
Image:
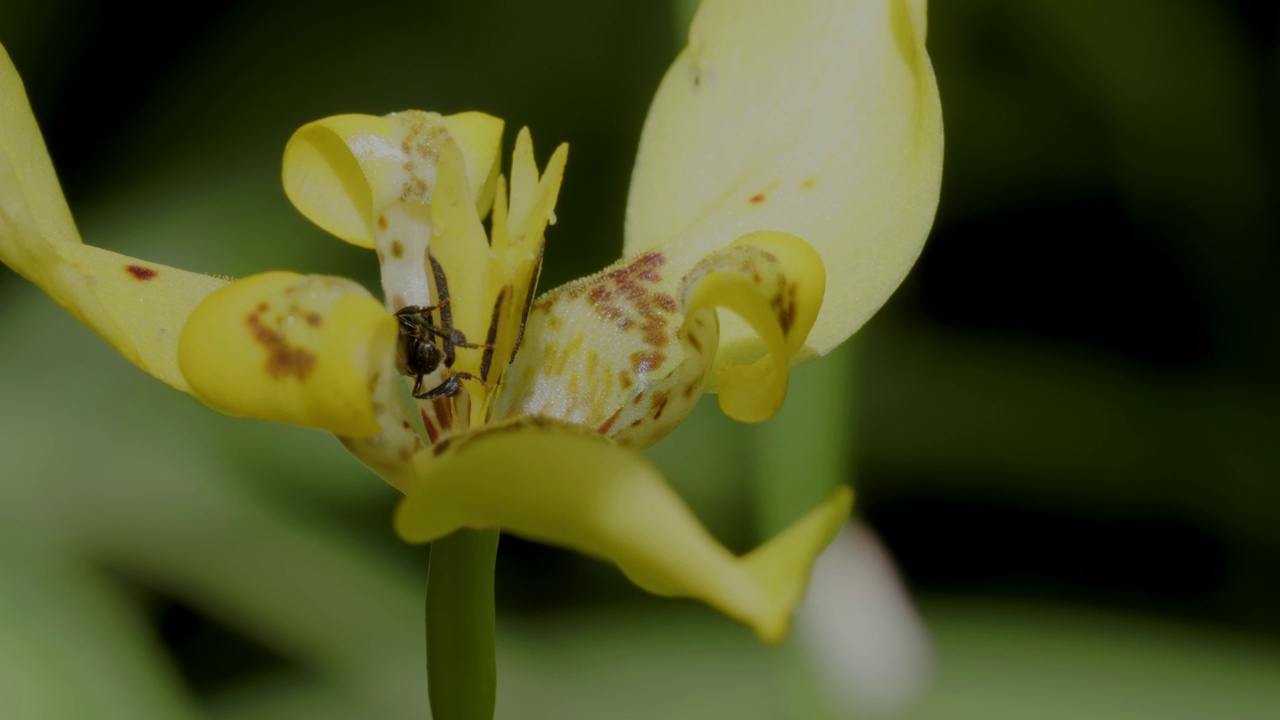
[
  {"x": 561, "y": 485},
  {"x": 138, "y": 307},
  {"x": 774, "y": 282},
  {"x": 814, "y": 117},
  {"x": 306, "y": 350},
  {"x": 342, "y": 171},
  {"x": 627, "y": 351}
]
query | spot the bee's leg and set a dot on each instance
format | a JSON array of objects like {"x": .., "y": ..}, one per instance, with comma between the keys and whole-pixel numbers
[
  {"x": 417, "y": 385},
  {"x": 451, "y": 386},
  {"x": 457, "y": 338}
]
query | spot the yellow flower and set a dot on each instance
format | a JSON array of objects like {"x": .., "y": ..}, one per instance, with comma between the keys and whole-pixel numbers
[{"x": 786, "y": 179}]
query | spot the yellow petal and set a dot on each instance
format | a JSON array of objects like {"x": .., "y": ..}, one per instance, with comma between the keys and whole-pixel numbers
[
  {"x": 146, "y": 303},
  {"x": 627, "y": 351},
  {"x": 562, "y": 485},
  {"x": 306, "y": 350},
  {"x": 138, "y": 307},
  {"x": 460, "y": 246},
  {"x": 31, "y": 174},
  {"x": 819, "y": 118},
  {"x": 775, "y": 283},
  {"x": 343, "y": 171}
]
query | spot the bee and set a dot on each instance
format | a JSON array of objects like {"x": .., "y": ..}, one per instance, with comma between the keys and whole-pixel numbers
[{"x": 426, "y": 346}]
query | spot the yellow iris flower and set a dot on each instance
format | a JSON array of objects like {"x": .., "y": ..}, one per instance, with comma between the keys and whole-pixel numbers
[{"x": 787, "y": 176}]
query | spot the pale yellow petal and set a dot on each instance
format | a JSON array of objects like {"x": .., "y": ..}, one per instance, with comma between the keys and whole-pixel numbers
[
  {"x": 31, "y": 174},
  {"x": 306, "y": 350},
  {"x": 819, "y": 118},
  {"x": 524, "y": 177},
  {"x": 562, "y": 485},
  {"x": 136, "y": 306},
  {"x": 343, "y": 171},
  {"x": 146, "y": 303},
  {"x": 480, "y": 138}
]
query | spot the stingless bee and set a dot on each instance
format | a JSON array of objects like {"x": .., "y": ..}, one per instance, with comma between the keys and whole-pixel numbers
[{"x": 426, "y": 346}]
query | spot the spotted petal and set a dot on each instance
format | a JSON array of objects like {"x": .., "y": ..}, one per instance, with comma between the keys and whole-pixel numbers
[
  {"x": 562, "y": 485},
  {"x": 628, "y": 351},
  {"x": 138, "y": 307},
  {"x": 819, "y": 118},
  {"x": 343, "y": 170},
  {"x": 308, "y": 350}
]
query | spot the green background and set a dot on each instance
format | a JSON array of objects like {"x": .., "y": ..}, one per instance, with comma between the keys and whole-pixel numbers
[{"x": 1063, "y": 426}]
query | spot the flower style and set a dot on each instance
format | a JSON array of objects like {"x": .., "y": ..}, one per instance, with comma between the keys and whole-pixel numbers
[{"x": 789, "y": 142}]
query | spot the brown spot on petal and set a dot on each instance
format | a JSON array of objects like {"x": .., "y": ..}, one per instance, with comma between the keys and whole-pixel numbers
[
  {"x": 382, "y": 222},
  {"x": 314, "y": 320},
  {"x": 643, "y": 362},
  {"x": 784, "y": 305},
  {"x": 604, "y": 427},
  {"x": 695, "y": 342},
  {"x": 624, "y": 379},
  {"x": 655, "y": 334},
  {"x": 627, "y": 297},
  {"x": 432, "y": 433},
  {"x": 444, "y": 412},
  {"x": 397, "y": 249},
  {"x": 763, "y": 195},
  {"x": 283, "y": 358},
  {"x": 660, "y": 404},
  {"x": 141, "y": 273},
  {"x": 809, "y": 182}
]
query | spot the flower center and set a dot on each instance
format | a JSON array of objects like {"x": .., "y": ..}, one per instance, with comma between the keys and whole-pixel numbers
[{"x": 461, "y": 296}]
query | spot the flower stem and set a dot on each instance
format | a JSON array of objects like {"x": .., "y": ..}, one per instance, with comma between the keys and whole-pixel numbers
[
  {"x": 807, "y": 449},
  {"x": 461, "y": 672}
]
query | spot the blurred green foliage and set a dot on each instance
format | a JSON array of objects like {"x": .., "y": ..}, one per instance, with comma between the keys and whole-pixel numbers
[{"x": 1065, "y": 421}]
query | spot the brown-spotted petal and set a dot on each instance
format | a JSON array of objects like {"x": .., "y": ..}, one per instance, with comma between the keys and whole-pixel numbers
[
  {"x": 628, "y": 351},
  {"x": 344, "y": 171},
  {"x": 307, "y": 350}
]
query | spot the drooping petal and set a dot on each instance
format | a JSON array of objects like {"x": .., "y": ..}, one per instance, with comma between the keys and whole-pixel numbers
[
  {"x": 308, "y": 350},
  {"x": 819, "y": 118},
  {"x": 565, "y": 486},
  {"x": 138, "y": 307},
  {"x": 627, "y": 351}
]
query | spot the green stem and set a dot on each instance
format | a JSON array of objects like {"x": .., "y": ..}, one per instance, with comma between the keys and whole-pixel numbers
[
  {"x": 806, "y": 450},
  {"x": 461, "y": 673}
]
